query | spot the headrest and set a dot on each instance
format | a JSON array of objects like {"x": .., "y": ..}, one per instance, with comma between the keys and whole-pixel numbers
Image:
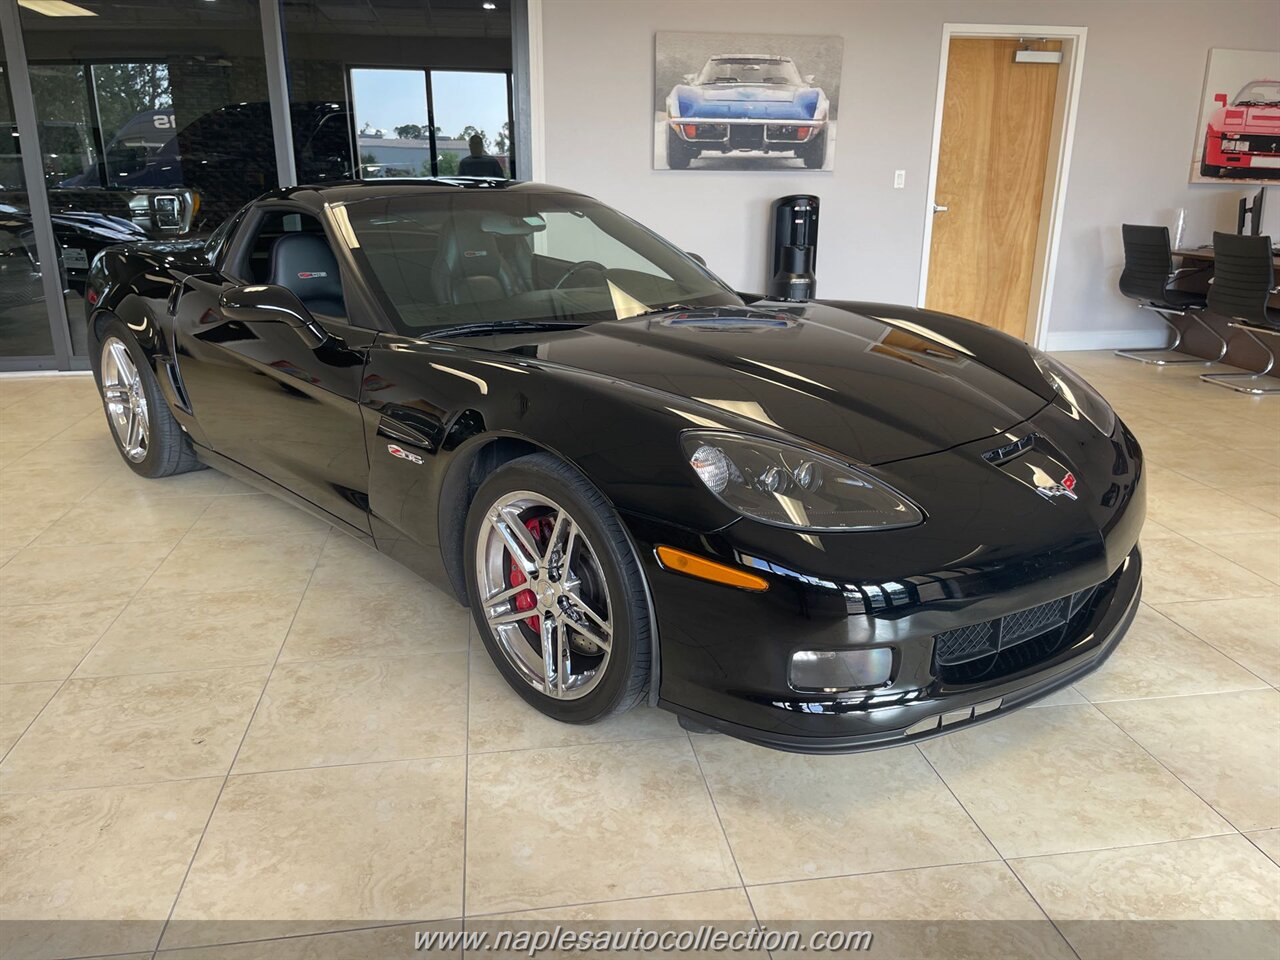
[{"x": 303, "y": 263}]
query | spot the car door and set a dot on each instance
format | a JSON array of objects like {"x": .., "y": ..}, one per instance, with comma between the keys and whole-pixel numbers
[{"x": 266, "y": 394}]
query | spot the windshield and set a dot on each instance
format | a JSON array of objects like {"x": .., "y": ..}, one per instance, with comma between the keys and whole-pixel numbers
[
  {"x": 462, "y": 258},
  {"x": 749, "y": 70},
  {"x": 1259, "y": 93}
]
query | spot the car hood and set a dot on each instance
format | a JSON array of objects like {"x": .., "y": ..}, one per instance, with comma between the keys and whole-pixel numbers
[
  {"x": 874, "y": 390},
  {"x": 1247, "y": 119}
]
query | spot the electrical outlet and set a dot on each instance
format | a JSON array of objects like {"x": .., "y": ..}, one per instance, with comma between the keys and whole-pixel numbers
[{"x": 899, "y": 179}]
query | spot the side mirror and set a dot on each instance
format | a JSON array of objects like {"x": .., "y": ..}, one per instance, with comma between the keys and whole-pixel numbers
[
  {"x": 696, "y": 256},
  {"x": 266, "y": 303},
  {"x": 1220, "y": 99},
  {"x": 808, "y": 79}
]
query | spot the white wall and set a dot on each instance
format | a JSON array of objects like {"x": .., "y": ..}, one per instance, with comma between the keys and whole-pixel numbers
[{"x": 1143, "y": 73}]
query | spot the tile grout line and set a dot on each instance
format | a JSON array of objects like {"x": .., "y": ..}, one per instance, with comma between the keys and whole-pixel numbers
[
  {"x": 999, "y": 853},
  {"x": 244, "y": 736},
  {"x": 1208, "y": 693},
  {"x": 466, "y": 775},
  {"x": 706, "y": 785},
  {"x": 105, "y": 630},
  {"x": 1163, "y": 766}
]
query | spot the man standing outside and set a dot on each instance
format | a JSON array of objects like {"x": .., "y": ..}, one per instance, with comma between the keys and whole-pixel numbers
[{"x": 480, "y": 164}]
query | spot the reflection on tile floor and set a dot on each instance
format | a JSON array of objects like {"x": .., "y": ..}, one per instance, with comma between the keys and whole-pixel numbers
[{"x": 313, "y": 756}]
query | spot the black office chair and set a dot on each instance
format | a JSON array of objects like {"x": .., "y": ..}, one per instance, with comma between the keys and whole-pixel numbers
[
  {"x": 1148, "y": 277},
  {"x": 1243, "y": 282}
]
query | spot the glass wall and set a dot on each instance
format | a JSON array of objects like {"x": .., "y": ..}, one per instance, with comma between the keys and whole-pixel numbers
[
  {"x": 24, "y": 324},
  {"x": 411, "y": 82},
  {"x": 153, "y": 121}
]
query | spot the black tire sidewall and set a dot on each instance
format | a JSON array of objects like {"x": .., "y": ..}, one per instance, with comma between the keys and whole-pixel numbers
[
  {"x": 679, "y": 154},
  {"x": 627, "y": 599},
  {"x": 152, "y": 464}
]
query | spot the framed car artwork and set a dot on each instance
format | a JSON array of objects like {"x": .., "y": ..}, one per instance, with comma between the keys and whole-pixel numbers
[
  {"x": 745, "y": 101},
  {"x": 1238, "y": 133}
]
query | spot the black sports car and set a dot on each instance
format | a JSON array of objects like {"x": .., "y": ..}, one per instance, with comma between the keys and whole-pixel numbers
[{"x": 818, "y": 526}]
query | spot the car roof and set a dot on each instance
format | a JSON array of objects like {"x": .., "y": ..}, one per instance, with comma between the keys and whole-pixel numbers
[{"x": 350, "y": 191}]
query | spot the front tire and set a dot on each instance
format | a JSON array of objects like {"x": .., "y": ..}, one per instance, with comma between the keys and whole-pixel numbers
[
  {"x": 147, "y": 436},
  {"x": 556, "y": 591},
  {"x": 1207, "y": 169}
]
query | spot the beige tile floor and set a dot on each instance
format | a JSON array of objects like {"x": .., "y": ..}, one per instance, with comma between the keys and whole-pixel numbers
[{"x": 223, "y": 723}]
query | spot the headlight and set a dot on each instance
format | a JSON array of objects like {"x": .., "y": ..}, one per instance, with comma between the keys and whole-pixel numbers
[
  {"x": 1077, "y": 392},
  {"x": 792, "y": 487}
]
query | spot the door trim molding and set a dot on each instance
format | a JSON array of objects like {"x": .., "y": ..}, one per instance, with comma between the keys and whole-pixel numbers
[{"x": 1043, "y": 279}]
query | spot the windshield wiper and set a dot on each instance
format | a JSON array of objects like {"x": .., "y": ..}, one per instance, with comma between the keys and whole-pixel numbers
[
  {"x": 500, "y": 326},
  {"x": 664, "y": 309}
]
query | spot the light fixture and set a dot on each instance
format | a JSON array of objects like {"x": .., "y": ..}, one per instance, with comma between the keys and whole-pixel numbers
[
  {"x": 55, "y": 8},
  {"x": 488, "y": 5}
]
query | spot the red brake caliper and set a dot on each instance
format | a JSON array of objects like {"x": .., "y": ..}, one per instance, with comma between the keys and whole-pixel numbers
[{"x": 540, "y": 527}]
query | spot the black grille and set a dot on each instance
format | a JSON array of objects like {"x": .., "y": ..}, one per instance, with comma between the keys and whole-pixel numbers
[
  {"x": 1259, "y": 143},
  {"x": 1006, "y": 644}
]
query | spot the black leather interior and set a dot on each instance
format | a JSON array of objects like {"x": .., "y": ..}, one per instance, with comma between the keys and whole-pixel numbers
[
  {"x": 303, "y": 263},
  {"x": 472, "y": 267}
]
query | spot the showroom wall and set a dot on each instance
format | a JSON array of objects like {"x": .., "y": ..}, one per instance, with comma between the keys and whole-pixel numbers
[{"x": 1143, "y": 73}]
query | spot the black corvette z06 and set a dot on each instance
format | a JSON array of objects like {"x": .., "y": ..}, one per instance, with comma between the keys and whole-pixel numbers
[{"x": 819, "y": 526}]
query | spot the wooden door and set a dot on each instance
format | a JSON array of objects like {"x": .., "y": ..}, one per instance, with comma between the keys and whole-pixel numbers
[{"x": 997, "y": 118}]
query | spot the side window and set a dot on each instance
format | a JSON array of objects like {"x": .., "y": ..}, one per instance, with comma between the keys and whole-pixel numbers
[{"x": 289, "y": 248}]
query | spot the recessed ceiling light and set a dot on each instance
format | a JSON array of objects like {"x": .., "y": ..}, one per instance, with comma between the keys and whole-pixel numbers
[
  {"x": 55, "y": 8},
  {"x": 489, "y": 6}
]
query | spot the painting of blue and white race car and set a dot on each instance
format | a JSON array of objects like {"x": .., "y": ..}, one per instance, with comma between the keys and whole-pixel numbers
[
  {"x": 745, "y": 101},
  {"x": 757, "y": 103}
]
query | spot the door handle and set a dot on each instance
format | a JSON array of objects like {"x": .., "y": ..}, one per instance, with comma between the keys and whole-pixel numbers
[{"x": 940, "y": 208}]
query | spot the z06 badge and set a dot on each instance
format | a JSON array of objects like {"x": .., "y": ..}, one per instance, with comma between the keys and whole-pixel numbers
[{"x": 403, "y": 454}]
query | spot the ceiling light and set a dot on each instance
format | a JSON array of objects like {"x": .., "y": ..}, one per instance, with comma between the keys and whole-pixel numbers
[
  {"x": 489, "y": 5},
  {"x": 55, "y": 8}
]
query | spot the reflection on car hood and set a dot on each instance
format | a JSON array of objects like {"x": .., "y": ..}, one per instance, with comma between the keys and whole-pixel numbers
[{"x": 872, "y": 390}]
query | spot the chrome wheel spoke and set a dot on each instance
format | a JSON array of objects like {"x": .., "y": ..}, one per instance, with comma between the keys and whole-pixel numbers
[
  {"x": 509, "y": 616},
  {"x": 115, "y": 393},
  {"x": 519, "y": 541},
  {"x": 592, "y": 626},
  {"x": 133, "y": 434},
  {"x": 505, "y": 595},
  {"x": 552, "y": 638}
]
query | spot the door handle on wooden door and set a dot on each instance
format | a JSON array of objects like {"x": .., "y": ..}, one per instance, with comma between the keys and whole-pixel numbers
[{"x": 940, "y": 208}]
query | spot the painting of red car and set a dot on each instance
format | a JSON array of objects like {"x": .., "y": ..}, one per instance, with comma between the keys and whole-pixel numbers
[{"x": 1242, "y": 136}]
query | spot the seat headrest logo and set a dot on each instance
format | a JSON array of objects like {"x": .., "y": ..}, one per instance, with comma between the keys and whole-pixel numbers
[{"x": 311, "y": 274}]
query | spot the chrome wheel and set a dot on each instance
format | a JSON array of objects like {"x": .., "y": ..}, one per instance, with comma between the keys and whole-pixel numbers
[
  {"x": 126, "y": 401},
  {"x": 544, "y": 596}
]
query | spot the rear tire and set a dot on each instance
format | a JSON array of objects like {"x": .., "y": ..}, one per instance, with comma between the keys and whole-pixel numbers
[
  {"x": 147, "y": 436},
  {"x": 814, "y": 153},
  {"x": 573, "y": 554},
  {"x": 679, "y": 153}
]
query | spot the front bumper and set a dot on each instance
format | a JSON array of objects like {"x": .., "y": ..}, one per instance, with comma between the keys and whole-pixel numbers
[
  {"x": 1000, "y": 552},
  {"x": 1244, "y": 151},
  {"x": 940, "y": 707}
]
